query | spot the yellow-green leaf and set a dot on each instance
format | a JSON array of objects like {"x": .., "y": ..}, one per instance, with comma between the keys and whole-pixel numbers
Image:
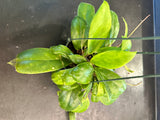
[
  {"x": 113, "y": 59},
  {"x": 83, "y": 73},
  {"x": 70, "y": 100},
  {"x": 86, "y": 11},
  {"x": 61, "y": 50},
  {"x": 107, "y": 92},
  {"x": 126, "y": 44},
  {"x": 100, "y": 27},
  {"x": 38, "y": 60},
  {"x": 78, "y": 30},
  {"x": 63, "y": 77},
  {"x": 114, "y": 29},
  {"x": 83, "y": 106},
  {"x": 77, "y": 58}
]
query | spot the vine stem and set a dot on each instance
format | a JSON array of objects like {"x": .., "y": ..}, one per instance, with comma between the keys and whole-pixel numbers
[{"x": 72, "y": 116}]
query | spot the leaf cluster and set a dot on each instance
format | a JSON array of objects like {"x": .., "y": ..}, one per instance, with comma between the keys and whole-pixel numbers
[{"x": 77, "y": 73}]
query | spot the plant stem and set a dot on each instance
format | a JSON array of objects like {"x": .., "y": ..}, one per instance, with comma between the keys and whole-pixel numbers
[
  {"x": 138, "y": 25},
  {"x": 72, "y": 116}
]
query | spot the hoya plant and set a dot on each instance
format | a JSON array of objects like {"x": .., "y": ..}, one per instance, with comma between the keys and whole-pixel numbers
[{"x": 79, "y": 67}]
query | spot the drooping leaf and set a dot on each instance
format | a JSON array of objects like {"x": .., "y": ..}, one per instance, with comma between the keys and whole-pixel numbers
[
  {"x": 78, "y": 30},
  {"x": 83, "y": 106},
  {"x": 114, "y": 29},
  {"x": 69, "y": 100},
  {"x": 63, "y": 77},
  {"x": 107, "y": 92},
  {"x": 38, "y": 60},
  {"x": 61, "y": 50},
  {"x": 126, "y": 44},
  {"x": 100, "y": 27},
  {"x": 83, "y": 73},
  {"x": 113, "y": 59},
  {"x": 86, "y": 11},
  {"x": 77, "y": 58}
]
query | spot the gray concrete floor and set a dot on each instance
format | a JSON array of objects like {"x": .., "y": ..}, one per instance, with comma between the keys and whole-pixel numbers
[{"x": 42, "y": 23}]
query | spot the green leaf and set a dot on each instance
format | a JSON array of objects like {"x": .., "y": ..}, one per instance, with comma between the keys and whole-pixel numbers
[
  {"x": 77, "y": 58},
  {"x": 98, "y": 89},
  {"x": 107, "y": 92},
  {"x": 126, "y": 44},
  {"x": 129, "y": 70},
  {"x": 94, "y": 98},
  {"x": 86, "y": 11},
  {"x": 103, "y": 99},
  {"x": 116, "y": 87},
  {"x": 68, "y": 87},
  {"x": 38, "y": 66},
  {"x": 78, "y": 30},
  {"x": 114, "y": 29},
  {"x": 38, "y": 60},
  {"x": 126, "y": 28},
  {"x": 113, "y": 59},
  {"x": 100, "y": 93},
  {"x": 104, "y": 49},
  {"x": 83, "y": 106},
  {"x": 61, "y": 50},
  {"x": 37, "y": 54},
  {"x": 87, "y": 90},
  {"x": 100, "y": 27},
  {"x": 83, "y": 73},
  {"x": 63, "y": 77},
  {"x": 69, "y": 100}
]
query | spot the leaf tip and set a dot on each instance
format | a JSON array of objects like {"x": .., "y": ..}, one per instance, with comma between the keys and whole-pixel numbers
[{"x": 12, "y": 62}]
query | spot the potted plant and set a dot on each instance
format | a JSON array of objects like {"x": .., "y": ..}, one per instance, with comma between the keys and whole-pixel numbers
[{"x": 81, "y": 66}]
